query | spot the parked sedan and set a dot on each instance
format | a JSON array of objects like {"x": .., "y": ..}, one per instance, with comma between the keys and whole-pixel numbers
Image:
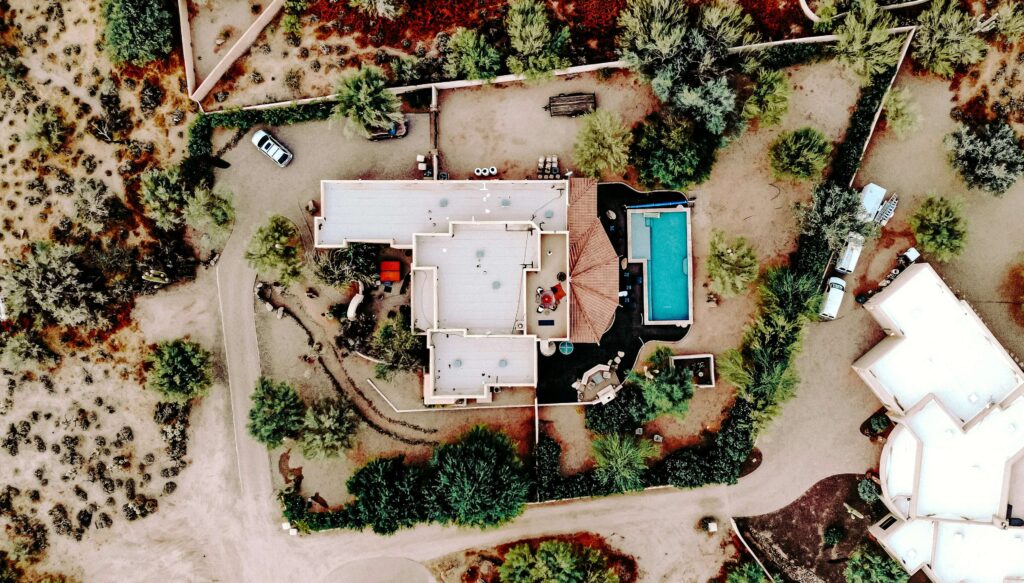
[{"x": 274, "y": 149}]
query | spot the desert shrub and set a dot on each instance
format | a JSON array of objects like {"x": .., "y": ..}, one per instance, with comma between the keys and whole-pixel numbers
[
  {"x": 365, "y": 103},
  {"x": 864, "y": 45},
  {"x": 731, "y": 265},
  {"x": 471, "y": 56},
  {"x": 789, "y": 294},
  {"x": 878, "y": 423},
  {"x": 785, "y": 56},
  {"x": 628, "y": 411},
  {"x": 769, "y": 101},
  {"x": 51, "y": 284},
  {"x": 47, "y": 128},
  {"x": 673, "y": 152},
  {"x": 329, "y": 428},
  {"x": 165, "y": 195},
  {"x": 801, "y": 154},
  {"x": 946, "y": 39},
  {"x": 556, "y": 561},
  {"x": 902, "y": 115},
  {"x": 989, "y": 157},
  {"x": 387, "y": 9},
  {"x": 602, "y": 144},
  {"x": 666, "y": 388},
  {"x": 833, "y": 535},
  {"x": 276, "y": 248},
  {"x": 12, "y": 70},
  {"x": 833, "y": 214},
  {"x": 389, "y": 495},
  {"x": 95, "y": 206},
  {"x": 536, "y": 49},
  {"x": 1010, "y": 22},
  {"x": 276, "y": 414},
  {"x": 181, "y": 370},
  {"x": 293, "y": 10},
  {"x": 940, "y": 227},
  {"x": 479, "y": 480},
  {"x": 868, "y": 491},
  {"x": 137, "y": 31},
  {"x": 23, "y": 349},
  {"x": 211, "y": 213},
  {"x": 397, "y": 346},
  {"x": 621, "y": 461},
  {"x": 870, "y": 566},
  {"x": 717, "y": 462},
  {"x": 746, "y": 572},
  {"x": 341, "y": 267}
]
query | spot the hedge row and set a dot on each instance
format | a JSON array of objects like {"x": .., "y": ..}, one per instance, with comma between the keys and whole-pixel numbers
[{"x": 850, "y": 152}]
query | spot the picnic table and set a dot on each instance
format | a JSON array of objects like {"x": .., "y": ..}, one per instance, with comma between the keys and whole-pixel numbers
[{"x": 571, "y": 104}]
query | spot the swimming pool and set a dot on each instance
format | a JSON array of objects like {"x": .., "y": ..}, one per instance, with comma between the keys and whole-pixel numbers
[{"x": 660, "y": 240}]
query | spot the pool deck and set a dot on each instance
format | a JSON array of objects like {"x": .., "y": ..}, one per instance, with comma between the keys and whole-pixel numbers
[{"x": 641, "y": 252}]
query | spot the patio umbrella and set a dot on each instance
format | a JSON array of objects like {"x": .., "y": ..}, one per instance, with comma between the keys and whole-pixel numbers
[{"x": 594, "y": 283}]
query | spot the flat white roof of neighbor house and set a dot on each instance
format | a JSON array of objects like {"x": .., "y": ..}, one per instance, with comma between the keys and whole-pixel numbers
[
  {"x": 942, "y": 349},
  {"x": 469, "y": 365},
  {"x": 480, "y": 274},
  {"x": 393, "y": 211},
  {"x": 912, "y": 542},
  {"x": 977, "y": 553}
]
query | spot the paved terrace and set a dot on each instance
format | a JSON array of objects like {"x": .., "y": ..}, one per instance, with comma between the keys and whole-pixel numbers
[{"x": 392, "y": 212}]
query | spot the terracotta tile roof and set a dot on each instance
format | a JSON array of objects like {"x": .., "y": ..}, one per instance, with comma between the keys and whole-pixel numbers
[{"x": 593, "y": 266}]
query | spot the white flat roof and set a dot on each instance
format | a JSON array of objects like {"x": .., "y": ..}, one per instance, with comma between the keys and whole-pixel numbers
[
  {"x": 393, "y": 211},
  {"x": 911, "y": 542},
  {"x": 468, "y": 365},
  {"x": 480, "y": 274},
  {"x": 977, "y": 553},
  {"x": 942, "y": 350},
  {"x": 902, "y": 461}
]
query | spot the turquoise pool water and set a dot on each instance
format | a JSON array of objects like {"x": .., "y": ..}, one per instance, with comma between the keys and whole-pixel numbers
[{"x": 660, "y": 238}]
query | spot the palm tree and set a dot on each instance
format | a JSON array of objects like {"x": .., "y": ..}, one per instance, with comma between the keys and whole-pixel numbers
[
  {"x": 622, "y": 461},
  {"x": 366, "y": 103}
]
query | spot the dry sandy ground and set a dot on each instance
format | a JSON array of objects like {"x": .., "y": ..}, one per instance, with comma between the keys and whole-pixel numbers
[
  {"x": 506, "y": 125},
  {"x": 209, "y": 20}
]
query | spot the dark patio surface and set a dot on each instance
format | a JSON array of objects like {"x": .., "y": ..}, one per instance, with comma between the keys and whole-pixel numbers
[{"x": 628, "y": 333}]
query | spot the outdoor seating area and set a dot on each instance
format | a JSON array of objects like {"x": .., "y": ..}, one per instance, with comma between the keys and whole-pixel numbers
[
  {"x": 600, "y": 383},
  {"x": 548, "y": 299}
]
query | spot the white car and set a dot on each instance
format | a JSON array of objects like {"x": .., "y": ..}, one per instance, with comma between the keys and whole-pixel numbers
[{"x": 274, "y": 149}]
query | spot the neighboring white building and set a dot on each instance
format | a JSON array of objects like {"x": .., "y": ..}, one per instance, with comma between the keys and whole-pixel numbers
[
  {"x": 497, "y": 267},
  {"x": 952, "y": 470}
]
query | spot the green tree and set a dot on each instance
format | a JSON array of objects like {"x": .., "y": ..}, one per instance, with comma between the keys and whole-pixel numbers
[
  {"x": 769, "y": 101},
  {"x": 389, "y": 495},
  {"x": 654, "y": 35},
  {"x": 49, "y": 284},
  {"x": 868, "y": 491},
  {"x": 479, "y": 480},
  {"x": 731, "y": 265},
  {"x": 710, "y": 104},
  {"x": 211, "y": 215},
  {"x": 989, "y": 157},
  {"x": 341, "y": 267},
  {"x": 556, "y": 562},
  {"x": 801, "y": 154},
  {"x": 329, "y": 428},
  {"x": 791, "y": 295},
  {"x": 902, "y": 115},
  {"x": 165, "y": 196},
  {"x": 397, "y": 346},
  {"x": 833, "y": 535},
  {"x": 536, "y": 49},
  {"x": 1010, "y": 23},
  {"x": 863, "y": 43},
  {"x": 181, "y": 370},
  {"x": 23, "y": 349},
  {"x": 870, "y": 566},
  {"x": 471, "y": 56},
  {"x": 666, "y": 388},
  {"x": 746, "y": 572},
  {"x": 276, "y": 247},
  {"x": 673, "y": 152},
  {"x": 602, "y": 144},
  {"x": 137, "y": 31},
  {"x": 365, "y": 103},
  {"x": 940, "y": 227},
  {"x": 277, "y": 413},
  {"x": 946, "y": 39},
  {"x": 387, "y": 9},
  {"x": 834, "y": 213},
  {"x": 47, "y": 128},
  {"x": 621, "y": 461}
]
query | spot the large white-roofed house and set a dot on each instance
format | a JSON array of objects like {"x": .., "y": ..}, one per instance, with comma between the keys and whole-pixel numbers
[
  {"x": 951, "y": 470},
  {"x": 491, "y": 275}
]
